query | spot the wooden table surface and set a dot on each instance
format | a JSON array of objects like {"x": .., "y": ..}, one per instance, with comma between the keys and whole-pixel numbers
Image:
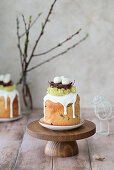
[{"x": 19, "y": 151}]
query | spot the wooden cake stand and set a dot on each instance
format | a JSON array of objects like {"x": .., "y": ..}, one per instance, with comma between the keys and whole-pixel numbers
[{"x": 61, "y": 143}]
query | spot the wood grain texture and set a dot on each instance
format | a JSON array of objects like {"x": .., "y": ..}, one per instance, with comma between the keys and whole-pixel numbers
[
  {"x": 31, "y": 155},
  {"x": 61, "y": 149},
  {"x": 102, "y": 146},
  {"x": 11, "y": 135},
  {"x": 78, "y": 162},
  {"x": 86, "y": 130}
]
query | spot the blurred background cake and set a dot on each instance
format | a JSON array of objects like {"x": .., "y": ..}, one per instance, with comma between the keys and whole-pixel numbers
[
  {"x": 62, "y": 103},
  {"x": 9, "y": 98}
]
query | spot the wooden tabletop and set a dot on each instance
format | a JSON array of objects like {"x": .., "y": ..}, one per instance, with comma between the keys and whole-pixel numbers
[{"x": 19, "y": 151}]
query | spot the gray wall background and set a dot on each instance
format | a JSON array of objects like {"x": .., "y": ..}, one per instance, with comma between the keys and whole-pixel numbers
[{"x": 91, "y": 63}]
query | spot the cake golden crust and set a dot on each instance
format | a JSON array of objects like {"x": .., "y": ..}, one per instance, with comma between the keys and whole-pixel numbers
[
  {"x": 5, "y": 113},
  {"x": 54, "y": 113}
]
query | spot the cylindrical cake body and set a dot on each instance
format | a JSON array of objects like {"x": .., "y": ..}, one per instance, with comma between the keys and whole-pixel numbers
[
  {"x": 9, "y": 104},
  {"x": 6, "y": 112},
  {"x": 54, "y": 113}
]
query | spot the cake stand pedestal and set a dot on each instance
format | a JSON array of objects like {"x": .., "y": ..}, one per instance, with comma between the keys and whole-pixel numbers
[{"x": 61, "y": 143}]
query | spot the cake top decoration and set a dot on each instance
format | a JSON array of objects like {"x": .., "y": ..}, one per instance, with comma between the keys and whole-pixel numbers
[
  {"x": 65, "y": 81},
  {"x": 1, "y": 77},
  {"x": 61, "y": 86},
  {"x": 6, "y": 82},
  {"x": 57, "y": 80},
  {"x": 6, "y": 78}
]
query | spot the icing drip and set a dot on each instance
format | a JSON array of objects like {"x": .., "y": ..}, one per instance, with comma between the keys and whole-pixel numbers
[
  {"x": 12, "y": 96},
  {"x": 18, "y": 104},
  {"x": 44, "y": 109},
  {"x": 65, "y": 110},
  {"x": 64, "y": 100},
  {"x": 5, "y": 101}
]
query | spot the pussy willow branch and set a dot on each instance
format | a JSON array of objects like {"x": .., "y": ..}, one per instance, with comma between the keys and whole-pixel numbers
[
  {"x": 41, "y": 33},
  {"x": 58, "y": 45},
  {"x": 63, "y": 52}
]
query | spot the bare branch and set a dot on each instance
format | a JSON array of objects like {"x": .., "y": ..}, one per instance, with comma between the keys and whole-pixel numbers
[
  {"x": 41, "y": 33},
  {"x": 59, "y": 44},
  {"x": 31, "y": 24},
  {"x": 18, "y": 45},
  {"x": 25, "y": 24},
  {"x": 25, "y": 59},
  {"x": 65, "y": 51},
  {"x": 19, "y": 82},
  {"x": 27, "y": 39},
  {"x": 26, "y": 46}
]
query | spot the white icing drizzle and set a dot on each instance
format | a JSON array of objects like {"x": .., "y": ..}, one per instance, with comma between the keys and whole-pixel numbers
[
  {"x": 12, "y": 96},
  {"x": 64, "y": 100},
  {"x": 5, "y": 97}
]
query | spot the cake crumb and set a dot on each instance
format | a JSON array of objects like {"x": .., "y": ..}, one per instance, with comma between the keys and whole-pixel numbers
[{"x": 98, "y": 158}]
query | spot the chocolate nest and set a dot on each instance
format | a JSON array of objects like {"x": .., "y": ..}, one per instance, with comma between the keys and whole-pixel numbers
[
  {"x": 6, "y": 84},
  {"x": 60, "y": 85}
]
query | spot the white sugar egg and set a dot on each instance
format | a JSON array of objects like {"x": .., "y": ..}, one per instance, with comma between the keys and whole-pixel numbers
[
  {"x": 62, "y": 77},
  {"x": 65, "y": 81},
  {"x": 7, "y": 78},
  {"x": 57, "y": 80},
  {"x": 1, "y": 77}
]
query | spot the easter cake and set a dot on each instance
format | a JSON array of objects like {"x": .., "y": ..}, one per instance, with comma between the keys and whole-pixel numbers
[
  {"x": 62, "y": 103},
  {"x": 9, "y": 98}
]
